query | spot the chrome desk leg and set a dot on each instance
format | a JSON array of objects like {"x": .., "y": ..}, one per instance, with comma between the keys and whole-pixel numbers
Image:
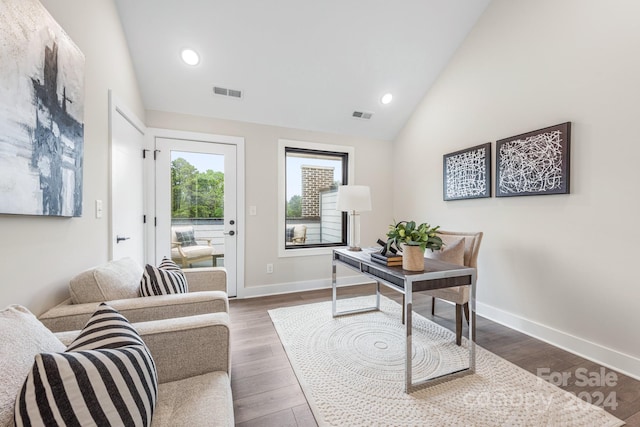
[
  {"x": 334, "y": 291},
  {"x": 409, "y": 384},
  {"x": 334, "y": 297},
  {"x": 408, "y": 329},
  {"x": 472, "y": 325}
]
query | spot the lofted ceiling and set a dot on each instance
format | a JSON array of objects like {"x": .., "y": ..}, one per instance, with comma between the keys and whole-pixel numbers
[{"x": 299, "y": 63}]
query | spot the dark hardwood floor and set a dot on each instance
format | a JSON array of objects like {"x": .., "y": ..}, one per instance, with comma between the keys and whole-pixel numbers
[{"x": 266, "y": 392}]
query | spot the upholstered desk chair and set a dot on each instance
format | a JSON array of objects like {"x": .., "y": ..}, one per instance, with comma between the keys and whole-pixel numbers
[{"x": 460, "y": 248}]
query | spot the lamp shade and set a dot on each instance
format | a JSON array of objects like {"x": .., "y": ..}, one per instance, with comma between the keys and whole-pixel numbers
[{"x": 354, "y": 198}]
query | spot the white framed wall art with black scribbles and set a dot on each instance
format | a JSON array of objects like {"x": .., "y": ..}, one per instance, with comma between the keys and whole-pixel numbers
[{"x": 41, "y": 113}]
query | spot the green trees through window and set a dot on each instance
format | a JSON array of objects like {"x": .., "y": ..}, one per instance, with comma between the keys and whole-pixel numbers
[
  {"x": 294, "y": 207},
  {"x": 196, "y": 194}
]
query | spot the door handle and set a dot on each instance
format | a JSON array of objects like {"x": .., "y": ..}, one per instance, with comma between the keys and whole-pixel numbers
[
  {"x": 230, "y": 233},
  {"x": 120, "y": 239}
]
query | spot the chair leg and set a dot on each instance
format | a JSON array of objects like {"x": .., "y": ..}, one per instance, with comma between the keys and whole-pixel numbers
[
  {"x": 458, "y": 324},
  {"x": 465, "y": 306},
  {"x": 403, "y": 309},
  {"x": 433, "y": 306}
]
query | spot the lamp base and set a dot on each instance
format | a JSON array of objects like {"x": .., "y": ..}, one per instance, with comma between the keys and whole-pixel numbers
[{"x": 354, "y": 248}]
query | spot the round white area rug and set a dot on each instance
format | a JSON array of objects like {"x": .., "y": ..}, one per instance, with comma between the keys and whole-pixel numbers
[{"x": 351, "y": 370}]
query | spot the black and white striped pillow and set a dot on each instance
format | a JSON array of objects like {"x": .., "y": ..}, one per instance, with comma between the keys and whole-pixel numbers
[
  {"x": 165, "y": 279},
  {"x": 106, "y": 377},
  {"x": 106, "y": 328}
]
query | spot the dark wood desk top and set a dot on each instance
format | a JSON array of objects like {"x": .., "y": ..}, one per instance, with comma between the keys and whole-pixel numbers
[{"x": 436, "y": 274}]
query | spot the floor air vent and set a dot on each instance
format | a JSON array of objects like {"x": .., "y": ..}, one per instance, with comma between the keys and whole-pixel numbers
[
  {"x": 223, "y": 91},
  {"x": 364, "y": 115}
]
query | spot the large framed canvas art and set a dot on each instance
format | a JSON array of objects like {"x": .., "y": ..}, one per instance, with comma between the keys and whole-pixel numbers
[
  {"x": 41, "y": 113},
  {"x": 534, "y": 163}
]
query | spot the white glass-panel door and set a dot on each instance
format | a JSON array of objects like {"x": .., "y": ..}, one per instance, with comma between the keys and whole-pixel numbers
[{"x": 196, "y": 187}]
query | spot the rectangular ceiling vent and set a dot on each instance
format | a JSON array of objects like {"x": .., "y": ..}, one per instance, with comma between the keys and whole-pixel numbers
[
  {"x": 223, "y": 91},
  {"x": 363, "y": 115}
]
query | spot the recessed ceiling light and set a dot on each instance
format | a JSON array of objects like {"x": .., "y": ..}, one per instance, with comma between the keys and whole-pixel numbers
[
  {"x": 386, "y": 98},
  {"x": 190, "y": 56}
]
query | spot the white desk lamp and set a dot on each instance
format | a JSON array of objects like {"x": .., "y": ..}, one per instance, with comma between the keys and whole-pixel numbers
[{"x": 354, "y": 199}]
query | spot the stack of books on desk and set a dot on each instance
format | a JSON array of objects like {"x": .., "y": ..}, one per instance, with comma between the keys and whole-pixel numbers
[{"x": 390, "y": 260}]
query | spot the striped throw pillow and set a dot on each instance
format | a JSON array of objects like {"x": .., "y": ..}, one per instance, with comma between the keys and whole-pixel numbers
[
  {"x": 106, "y": 377},
  {"x": 165, "y": 279}
]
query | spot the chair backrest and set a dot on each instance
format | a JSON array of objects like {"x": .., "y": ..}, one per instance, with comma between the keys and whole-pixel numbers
[
  {"x": 300, "y": 233},
  {"x": 471, "y": 245}
]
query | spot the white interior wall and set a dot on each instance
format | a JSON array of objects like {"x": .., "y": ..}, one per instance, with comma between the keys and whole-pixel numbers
[
  {"x": 559, "y": 267},
  {"x": 554, "y": 266},
  {"x": 39, "y": 255},
  {"x": 261, "y": 190}
]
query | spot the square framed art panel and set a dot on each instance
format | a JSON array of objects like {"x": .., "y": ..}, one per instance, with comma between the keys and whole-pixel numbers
[
  {"x": 466, "y": 174},
  {"x": 534, "y": 163}
]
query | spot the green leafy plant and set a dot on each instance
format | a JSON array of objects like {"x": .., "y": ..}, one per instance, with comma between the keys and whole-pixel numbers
[{"x": 409, "y": 233}]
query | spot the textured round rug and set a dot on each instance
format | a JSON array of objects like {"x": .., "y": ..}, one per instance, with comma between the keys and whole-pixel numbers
[{"x": 351, "y": 370}]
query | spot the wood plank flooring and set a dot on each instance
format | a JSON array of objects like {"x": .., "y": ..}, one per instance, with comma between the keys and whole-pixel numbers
[{"x": 266, "y": 392}]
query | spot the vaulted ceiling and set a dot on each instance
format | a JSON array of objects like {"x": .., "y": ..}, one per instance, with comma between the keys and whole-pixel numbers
[{"x": 299, "y": 63}]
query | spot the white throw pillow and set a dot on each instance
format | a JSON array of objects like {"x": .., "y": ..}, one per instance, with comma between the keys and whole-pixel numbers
[{"x": 22, "y": 336}]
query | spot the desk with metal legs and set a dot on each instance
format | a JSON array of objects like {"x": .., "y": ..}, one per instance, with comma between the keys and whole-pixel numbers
[{"x": 436, "y": 275}]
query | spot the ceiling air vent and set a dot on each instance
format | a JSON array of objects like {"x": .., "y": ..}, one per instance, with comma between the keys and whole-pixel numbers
[
  {"x": 364, "y": 115},
  {"x": 223, "y": 91}
]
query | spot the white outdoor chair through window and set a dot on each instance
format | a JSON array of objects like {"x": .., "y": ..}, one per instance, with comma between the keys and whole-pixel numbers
[{"x": 185, "y": 249}]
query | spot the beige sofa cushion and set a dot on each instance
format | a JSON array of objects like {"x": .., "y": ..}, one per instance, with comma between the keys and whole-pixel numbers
[
  {"x": 452, "y": 251},
  {"x": 22, "y": 337},
  {"x": 112, "y": 281},
  {"x": 193, "y": 251},
  {"x": 204, "y": 400}
]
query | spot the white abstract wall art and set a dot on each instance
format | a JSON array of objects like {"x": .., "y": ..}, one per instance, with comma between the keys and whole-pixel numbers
[
  {"x": 467, "y": 173},
  {"x": 41, "y": 113},
  {"x": 534, "y": 163}
]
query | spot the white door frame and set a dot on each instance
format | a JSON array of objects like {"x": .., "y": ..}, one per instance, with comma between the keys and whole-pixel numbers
[
  {"x": 117, "y": 107},
  {"x": 153, "y": 133}
]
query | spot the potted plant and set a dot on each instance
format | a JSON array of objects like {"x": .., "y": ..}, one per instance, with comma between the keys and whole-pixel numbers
[{"x": 413, "y": 240}]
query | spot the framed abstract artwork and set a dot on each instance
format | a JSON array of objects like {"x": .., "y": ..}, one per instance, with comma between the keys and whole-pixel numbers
[
  {"x": 466, "y": 174},
  {"x": 534, "y": 163},
  {"x": 41, "y": 114}
]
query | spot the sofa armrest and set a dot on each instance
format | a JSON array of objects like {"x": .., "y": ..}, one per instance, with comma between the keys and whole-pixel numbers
[
  {"x": 68, "y": 317},
  {"x": 184, "y": 347},
  {"x": 188, "y": 346},
  {"x": 206, "y": 279}
]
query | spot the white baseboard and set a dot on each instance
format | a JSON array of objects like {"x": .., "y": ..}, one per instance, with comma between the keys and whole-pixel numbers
[
  {"x": 309, "y": 285},
  {"x": 623, "y": 363}
]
